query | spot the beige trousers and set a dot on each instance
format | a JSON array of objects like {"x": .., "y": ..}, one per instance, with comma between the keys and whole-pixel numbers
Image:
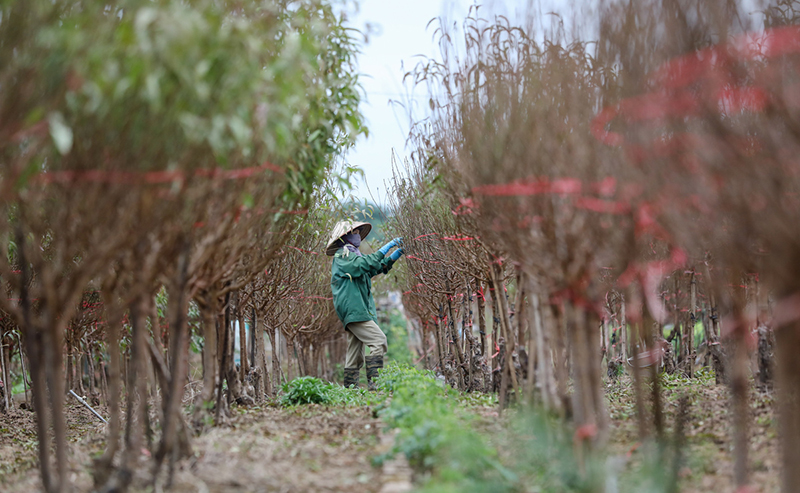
[{"x": 360, "y": 334}]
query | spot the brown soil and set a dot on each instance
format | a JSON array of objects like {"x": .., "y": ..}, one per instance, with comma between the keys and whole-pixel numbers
[
  {"x": 312, "y": 448},
  {"x": 19, "y": 456},
  {"x": 316, "y": 448},
  {"x": 708, "y": 458}
]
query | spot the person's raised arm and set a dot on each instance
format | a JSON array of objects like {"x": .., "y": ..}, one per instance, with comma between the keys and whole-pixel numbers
[{"x": 366, "y": 265}]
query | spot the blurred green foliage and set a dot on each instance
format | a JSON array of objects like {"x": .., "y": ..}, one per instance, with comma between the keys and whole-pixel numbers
[
  {"x": 397, "y": 338},
  {"x": 165, "y": 85},
  {"x": 372, "y": 213}
]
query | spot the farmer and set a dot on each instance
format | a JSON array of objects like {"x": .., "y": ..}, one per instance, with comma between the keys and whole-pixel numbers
[{"x": 351, "y": 283}]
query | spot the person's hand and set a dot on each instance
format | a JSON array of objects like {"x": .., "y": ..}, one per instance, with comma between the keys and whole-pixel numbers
[
  {"x": 396, "y": 254},
  {"x": 395, "y": 242}
]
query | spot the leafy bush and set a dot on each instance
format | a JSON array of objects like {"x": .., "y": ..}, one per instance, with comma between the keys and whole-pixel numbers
[
  {"x": 312, "y": 390},
  {"x": 306, "y": 390}
]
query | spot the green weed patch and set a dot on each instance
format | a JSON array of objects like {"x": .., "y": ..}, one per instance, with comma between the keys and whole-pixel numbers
[
  {"x": 436, "y": 437},
  {"x": 312, "y": 390}
]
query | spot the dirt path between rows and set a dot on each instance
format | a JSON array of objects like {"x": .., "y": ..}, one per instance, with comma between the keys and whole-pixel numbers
[
  {"x": 310, "y": 448},
  {"x": 305, "y": 449}
]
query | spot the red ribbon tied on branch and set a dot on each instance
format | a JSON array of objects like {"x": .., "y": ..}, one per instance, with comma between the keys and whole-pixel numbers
[
  {"x": 703, "y": 81},
  {"x": 150, "y": 177}
]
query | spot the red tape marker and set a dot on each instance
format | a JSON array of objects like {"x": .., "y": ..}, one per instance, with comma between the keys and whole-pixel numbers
[
  {"x": 462, "y": 238},
  {"x": 149, "y": 177},
  {"x": 698, "y": 82}
]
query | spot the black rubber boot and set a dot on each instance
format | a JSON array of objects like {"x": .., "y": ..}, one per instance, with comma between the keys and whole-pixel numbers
[
  {"x": 374, "y": 363},
  {"x": 351, "y": 377}
]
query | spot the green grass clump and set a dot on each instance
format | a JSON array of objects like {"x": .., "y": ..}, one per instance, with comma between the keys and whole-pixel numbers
[
  {"x": 436, "y": 437},
  {"x": 306, "y": 390},
  {"x": 312, "y": 390}
]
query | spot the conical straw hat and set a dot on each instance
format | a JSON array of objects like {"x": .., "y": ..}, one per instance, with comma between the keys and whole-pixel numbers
[{"x": 341, "y": 229}]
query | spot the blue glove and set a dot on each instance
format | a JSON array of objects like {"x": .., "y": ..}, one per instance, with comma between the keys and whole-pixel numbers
[
  {"x": 395, "y": 242},
  {"x": 396, "y": 254}
]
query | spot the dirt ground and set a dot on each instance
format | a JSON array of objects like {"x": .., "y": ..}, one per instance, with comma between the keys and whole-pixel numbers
[
  {"x": 311, "y": 448},
  {"x": 315, "y": 448},
  {"x": 19, "y": 453},
  {"x": 708, "y": 458}
]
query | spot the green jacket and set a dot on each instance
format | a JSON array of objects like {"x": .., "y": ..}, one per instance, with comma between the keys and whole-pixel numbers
[{"x": 351, "y": 283}]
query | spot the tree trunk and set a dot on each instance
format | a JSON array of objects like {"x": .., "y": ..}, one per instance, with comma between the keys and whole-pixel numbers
[
  {"x": 137, "y": 396},
  {"x": 559, "y": 330},
  {"x": 582, "y": 401},
  {"x": 7, "y": 401},
  {"x": 492, "y": 343},
  {"x": 70, "y": 356},
  {"x": 658, "y": 417},
  {"x": 787, "y": 347},
  {"x": 499, "y": 300},
  {"x": 519, "y": 308},
  {"x": 244, "y": 365},
  {"x": 468, "y": 335},
  {"x": 34, "y": 341},
  {"x": 439, "y": 349},
  {"x": 104, "y": 464},
  {"x": 252, "y": 338},
  {"x": 454, "y": 341},
  {"x": 178, "y": 352},
  {"x": 206, "y": 398},
  {"x": 623, "y": 336},
  {"x": 637, "y": 384},
  {"x": 260, "y": 359},
  {"x": 544, "y": 359},
  {"x": 276, "y": 362},
  {"x": 423, "y": 351},
  {"x": 82, "y": 365},
  {"x": 482, "y": 317},
  {"x": 740, "y": 387},
  {"x": 229, "y": 369}
]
